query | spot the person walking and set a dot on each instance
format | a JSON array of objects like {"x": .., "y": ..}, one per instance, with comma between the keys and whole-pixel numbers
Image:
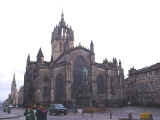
[
  {"x": 8, "y": 109},
  {"x": 32, "y": 114},
  {"x": 27, "y": 114},
  {"x": 44, "y": 110},
  {"x": 39, "y": 114}
]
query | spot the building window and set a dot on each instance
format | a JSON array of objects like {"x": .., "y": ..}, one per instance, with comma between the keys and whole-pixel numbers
[
  {"x": 45, "y": 91},
  {"x": 60, "y": 47},
  {"x": 46, "y": 79},
  {"x": 100, "y": 84},
  {"x": 80, "y": 88}
]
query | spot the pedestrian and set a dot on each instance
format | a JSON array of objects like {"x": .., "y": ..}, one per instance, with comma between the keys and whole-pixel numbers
[
  {"x": 8, "y": 109},
  {"x": 44, "y": 110},
  {"x": 34, "y": 110},
  {"x": 27, "y": 114},
  {"x": 39, "y": 112},
  {"x": 43, "y": 113},
  {"x": 32, "y": 114},
  {"x": 4, "y": 108}
]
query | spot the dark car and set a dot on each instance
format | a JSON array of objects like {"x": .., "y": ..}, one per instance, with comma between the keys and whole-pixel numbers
[{"x": 57, "y": 109}]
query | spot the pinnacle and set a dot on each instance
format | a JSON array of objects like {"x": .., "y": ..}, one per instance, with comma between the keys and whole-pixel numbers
[
  {"x": 40, "y": 54},
  {"x": 62, "y": 15}
]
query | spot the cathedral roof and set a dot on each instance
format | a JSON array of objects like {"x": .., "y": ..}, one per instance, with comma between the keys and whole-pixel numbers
[
  {"x": 44, "y": 65},
  {"x": 71, "y": 50},
  {"x": 106, "y": 66},
  {"x": 100, "y": 65}
]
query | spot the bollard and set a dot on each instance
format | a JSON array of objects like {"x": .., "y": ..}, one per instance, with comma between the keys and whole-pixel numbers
[
  {"x": 110, "y": 114},
  {"x": 130, "y": 116},
  {"x": 8, "y": 110}
]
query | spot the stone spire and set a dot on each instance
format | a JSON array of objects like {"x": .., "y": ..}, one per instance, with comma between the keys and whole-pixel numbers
[
  {"x": 120, "y": 64},
  {"x": 62, "y": 22},
  {"x": 92, "y": 55},
  {"x": 92, "y": 47},
  {"x": 28, "y": 58},
  {"x": 62, "y": 16},
  {"x": 40, "y": 56},
  {"x": 105, "y": 61},
  {"x": 13, "y": 86},
  {"x": 14, "y": 92},
  {"x": 14, "y": 80}
]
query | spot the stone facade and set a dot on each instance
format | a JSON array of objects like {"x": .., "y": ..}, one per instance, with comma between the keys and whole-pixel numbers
[
  {"x": 72, "y": 75},
  {"x": 20, "y": 96},
  {"x": 143, "y": 85}
]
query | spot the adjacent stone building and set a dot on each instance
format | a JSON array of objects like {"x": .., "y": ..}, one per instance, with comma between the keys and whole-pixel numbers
[
  {"x": 72, "y": 76},
  {"x": 21, "y": 96},
  {"x": 143, "y": 85}
]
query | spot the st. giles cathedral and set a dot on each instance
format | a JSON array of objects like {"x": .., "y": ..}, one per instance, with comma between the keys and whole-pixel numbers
[{"x": 72, "y": 76}]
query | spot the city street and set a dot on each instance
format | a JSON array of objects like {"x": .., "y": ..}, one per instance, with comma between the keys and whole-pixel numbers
[{"x": 116, "y": 114}]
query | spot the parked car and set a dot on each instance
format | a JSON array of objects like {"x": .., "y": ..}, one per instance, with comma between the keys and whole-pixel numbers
[
  {"x": 11, "y": 106},
  {"x": 57, "y": 109}
]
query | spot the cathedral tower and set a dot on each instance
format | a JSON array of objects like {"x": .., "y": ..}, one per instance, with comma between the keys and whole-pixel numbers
[{"x": 62, "y": 38}]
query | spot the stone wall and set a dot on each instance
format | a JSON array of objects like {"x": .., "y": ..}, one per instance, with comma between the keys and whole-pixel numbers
[{"x": 144, "y": 85}]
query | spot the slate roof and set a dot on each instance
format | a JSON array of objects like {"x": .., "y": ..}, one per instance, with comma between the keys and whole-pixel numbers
[
  {"x": 100, "y": 65},
  {"x": 147, "y": 69},
  {"x": 70, "y": 50}
]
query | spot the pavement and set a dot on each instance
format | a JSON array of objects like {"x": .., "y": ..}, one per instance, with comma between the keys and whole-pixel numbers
[
  {"x": 15, "y": 113},
  {"x": 117, "y": 113}
]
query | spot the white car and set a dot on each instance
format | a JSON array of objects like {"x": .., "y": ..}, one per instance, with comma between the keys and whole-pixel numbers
[{"x": 11, "y": 106}]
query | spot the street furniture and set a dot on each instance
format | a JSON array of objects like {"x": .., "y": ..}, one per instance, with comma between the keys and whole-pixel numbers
[{"x": 146, "y": 116}]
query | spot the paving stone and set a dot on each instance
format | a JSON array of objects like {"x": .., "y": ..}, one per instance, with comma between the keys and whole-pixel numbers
[{"x": 117, "y": 113}]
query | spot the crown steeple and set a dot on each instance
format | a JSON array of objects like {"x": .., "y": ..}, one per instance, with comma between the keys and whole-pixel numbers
[{"x": 62, "y": 38}]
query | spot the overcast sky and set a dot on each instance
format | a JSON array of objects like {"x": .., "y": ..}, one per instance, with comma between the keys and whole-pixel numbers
[{"x": 126, "y": 29}]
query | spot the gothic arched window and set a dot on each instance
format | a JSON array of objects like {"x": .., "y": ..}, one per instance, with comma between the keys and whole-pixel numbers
[
  {"x": 84, "y": 74},
  {"x": 60, "y": 47},
  {"x": 100, "y": 84},
  {"x": 59, "y": 88},
  {"x": 80, "y": 75},
  {"x": 46, "y": 91}
]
